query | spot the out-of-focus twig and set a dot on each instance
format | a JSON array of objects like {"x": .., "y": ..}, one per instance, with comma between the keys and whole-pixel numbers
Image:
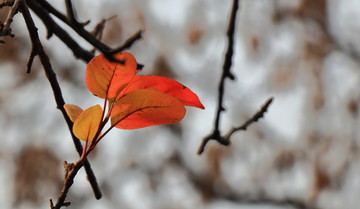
[
  {"x": 99, "y": 28},
  {"x": 128, "y": 43},
  {"x": 71, "y": 14}
]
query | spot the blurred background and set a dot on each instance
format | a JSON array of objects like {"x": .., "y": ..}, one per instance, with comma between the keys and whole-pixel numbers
[{"x": 304, "y": 53}]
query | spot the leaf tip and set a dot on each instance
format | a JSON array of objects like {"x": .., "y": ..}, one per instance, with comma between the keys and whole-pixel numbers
[{"x": 72, "y": 111}]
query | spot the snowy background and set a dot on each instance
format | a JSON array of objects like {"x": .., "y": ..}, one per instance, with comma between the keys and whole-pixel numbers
[{"x": 304, "y": 53}]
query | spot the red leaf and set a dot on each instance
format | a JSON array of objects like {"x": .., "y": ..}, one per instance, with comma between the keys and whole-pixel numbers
[
  {"x": 106, "y": 79},
  {"x": 165, "y": 85},
  {"x": 143, "y": 108}
]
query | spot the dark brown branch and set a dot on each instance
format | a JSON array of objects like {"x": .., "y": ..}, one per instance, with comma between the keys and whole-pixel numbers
[
  {"x": 79, "y": 29},
  {"x": 75, "y": 26},
  {"x": 70, "y": 11},
  {"x": 50, "y": 74},
  {"x": 227, "y": 64},
  {"x": 71, "y": 14},
  {"x": 260, "y": 114},
  {"x": 226, "y": 73},
  {"x": 54, "y": 28},
  {"x": 31, "y": 58}
]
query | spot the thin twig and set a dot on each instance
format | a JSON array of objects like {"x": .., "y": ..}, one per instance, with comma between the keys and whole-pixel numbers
[
  {"x": 75, "y": 26},
  {"x": 70, "y": 11},
  {"x": 226, "y": 73},
  {"x": 129, "y": 42},
  {"x": 56, "y": 89},
  {"x": 54, "y": 28},
  {"x": 78, "y": 28},
  {"x": 225, "y": 140},
  {"x": 71, "y": 14},
  {"x": 258, "y": 115},
  {"x": 70, "y": 173}
]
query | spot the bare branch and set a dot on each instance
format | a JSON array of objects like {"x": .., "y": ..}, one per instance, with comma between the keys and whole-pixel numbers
[
  {"x": 41, "y": 5},
  {"x": 70, "y": 173},
  {"x": 54, "y": 28},
  {"x": 253, "y": 119},
  {"x": 50, "y": 74},
  {"x": 227, "y": 64},
  {"x": 70, "y": 11},
  {"x": 226, "y": 73},
  {"x": 75, "y": 26},
  {"x": 225, "y": 140}
]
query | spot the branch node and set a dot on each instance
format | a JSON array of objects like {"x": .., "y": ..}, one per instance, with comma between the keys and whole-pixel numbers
[{"x": 225, "y": 140}]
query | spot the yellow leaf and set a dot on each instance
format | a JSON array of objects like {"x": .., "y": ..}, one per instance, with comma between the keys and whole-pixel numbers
[
  {"x": 72, "y": 111},
  {"x": 87, "y": 123}
]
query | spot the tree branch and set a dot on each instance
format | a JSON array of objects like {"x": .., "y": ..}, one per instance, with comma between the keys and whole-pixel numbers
[
  {"x": 54, "y": 28},
  {"x": 258, "y": 115},
  {"x": 50, "y": 74},
  {"x": 226, "y": 73},
  {"x": 70, "y": 173},
  {"x": 41, "y": 6},
  {"x": 225, "y": 140}
]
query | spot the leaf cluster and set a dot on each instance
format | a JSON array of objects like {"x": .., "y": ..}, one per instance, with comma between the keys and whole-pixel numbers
[{"x": 130, "y": 101}]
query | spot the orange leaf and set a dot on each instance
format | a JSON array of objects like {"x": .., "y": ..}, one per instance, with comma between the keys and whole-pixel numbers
[
  {"x": 143, "y": 108},
  {"x": 87, "y": 124},
  {"x": 106, "y": 79},
  {"x": 165, "y": 85},
  {"x": 72, "y": 111}
]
